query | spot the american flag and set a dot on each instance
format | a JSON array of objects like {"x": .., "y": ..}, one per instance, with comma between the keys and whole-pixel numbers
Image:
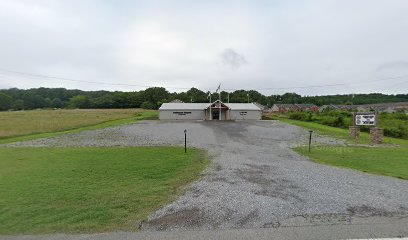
[{"x": 219, "y": 87}]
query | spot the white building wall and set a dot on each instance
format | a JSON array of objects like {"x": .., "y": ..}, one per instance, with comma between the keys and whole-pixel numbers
[
  {"x": 245, "y": 114},
  {"x": 181, "y": 115}
]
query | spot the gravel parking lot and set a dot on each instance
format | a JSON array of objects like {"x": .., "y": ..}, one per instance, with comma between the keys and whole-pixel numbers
[{"x": 255, "y": 179}]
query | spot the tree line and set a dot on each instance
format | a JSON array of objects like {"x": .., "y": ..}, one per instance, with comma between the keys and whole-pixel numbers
[{"x": 152, "y": 98}]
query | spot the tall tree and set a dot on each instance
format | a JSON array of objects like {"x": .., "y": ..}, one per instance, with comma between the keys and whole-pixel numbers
[
  {"x": 5, "y": 102},
  {"x": 196, "y": 95},
  {"x": 80, "y": 101},
  {"x": 155, "y": 95}
]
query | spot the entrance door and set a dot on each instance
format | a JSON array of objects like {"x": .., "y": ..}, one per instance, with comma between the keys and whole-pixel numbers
[{"x": 215, "y": 115}]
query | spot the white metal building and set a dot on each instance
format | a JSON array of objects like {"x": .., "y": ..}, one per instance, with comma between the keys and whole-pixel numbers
[{"x": 210, "y": 111}]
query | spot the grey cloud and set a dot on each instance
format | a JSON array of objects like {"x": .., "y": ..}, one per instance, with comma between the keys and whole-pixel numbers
[{"x": 232, "y": 58}]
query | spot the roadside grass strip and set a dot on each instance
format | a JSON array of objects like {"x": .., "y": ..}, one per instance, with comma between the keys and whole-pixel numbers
[
  {"x": 72, "y": 190},
  {"x": 390, "y": 161},
  {"x": 340, "y": 132}
]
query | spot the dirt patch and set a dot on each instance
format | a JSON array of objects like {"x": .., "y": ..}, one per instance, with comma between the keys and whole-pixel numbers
[
  {"x": 353, "y": 214},
  {"x": 220, "y": 179},
  {"x": 183, "y": 218},
  {"x": 275, "y": 187},
  {"x": 367, "y": 211},
  {"x": 248, "y": 218},
  {"x": 264, "y": 168},
  {"x": 254, "y": 176}
]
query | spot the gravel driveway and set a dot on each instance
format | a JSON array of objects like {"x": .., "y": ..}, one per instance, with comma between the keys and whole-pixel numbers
[{"x": 255, "y": 179}]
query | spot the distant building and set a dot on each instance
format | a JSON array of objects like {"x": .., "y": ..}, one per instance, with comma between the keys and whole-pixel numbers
[
  {"x": 283, "y": 108},
  {"x": 337, "y": 107},
  {"x": 379, "y": 107},
  {"x": 294, "y": 107},
  {"x": 307, "y": 107},
  {"x": 262, "y": 107},
  {"x": 327, "y": 107},
  {"x": 387, "y": 107},
  {"x": 209, "y": 111}
]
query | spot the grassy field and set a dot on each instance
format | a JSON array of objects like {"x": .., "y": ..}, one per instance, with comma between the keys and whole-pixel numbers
[
  {"x": 27, "y": 125},
  {"x": 390, "y": 159},
  {"x": 383, "y": 161},
  {"x": 47, "y": 190}
]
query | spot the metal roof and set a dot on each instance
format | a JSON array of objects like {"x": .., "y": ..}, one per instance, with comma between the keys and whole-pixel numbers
[
  {"x": 242, "y": 106},
  {"x": 202, "y": 106},
  {"x": 184, "y": 106},
  {"x": 305, "y": 105}
]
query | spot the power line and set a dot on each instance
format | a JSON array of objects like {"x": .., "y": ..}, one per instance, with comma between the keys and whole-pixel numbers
[
  {"x": 184, "y": 88},
  {"x": 312, "y": 86},
  {"x": 82, "y": 81},
  {"x": 331, "y": 85}
]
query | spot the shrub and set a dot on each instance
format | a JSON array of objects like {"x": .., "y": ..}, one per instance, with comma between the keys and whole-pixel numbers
[
  {"x": 337, "y": 121},
  {"x": 327, "y": 120},
  {"x": 302, "y": 116},
  {"x": 397, "y": 132},
  {"x": 309, "y": 117},
  {"x": 401, "y": 116},
  {"x": 148, "y": 105}
]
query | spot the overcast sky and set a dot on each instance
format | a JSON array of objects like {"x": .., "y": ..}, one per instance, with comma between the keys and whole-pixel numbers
[{"x": 346, "y": 46}]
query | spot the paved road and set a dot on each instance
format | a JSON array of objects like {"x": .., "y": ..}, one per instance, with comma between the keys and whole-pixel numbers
[
  {"x": 256, "y": 181},
  {"x": 320, "y": 232}
]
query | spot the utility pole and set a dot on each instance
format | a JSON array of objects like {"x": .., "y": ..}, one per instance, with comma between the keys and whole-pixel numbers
[
  {"x": 228, "y": 97},
  {"x": 248, "y": 97}
]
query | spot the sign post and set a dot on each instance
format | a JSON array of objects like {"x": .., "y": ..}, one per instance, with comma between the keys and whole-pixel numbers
[
  {"x": 365, "y": 119},
  {"x": 370, "y": 119},
  {"x": 310, "y": 138},
  {"x": 185, "y": 140}
]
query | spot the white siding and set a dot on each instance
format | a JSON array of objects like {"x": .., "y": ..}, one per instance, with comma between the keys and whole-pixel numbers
[
  {"x": 181, "y": 115},
  {"x": 245, "y": 114}
]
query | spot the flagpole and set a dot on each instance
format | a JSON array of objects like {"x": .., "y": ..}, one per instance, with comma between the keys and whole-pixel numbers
[
  {"x": 219, "y": 115},
  {"x": 210, "y": 106}
]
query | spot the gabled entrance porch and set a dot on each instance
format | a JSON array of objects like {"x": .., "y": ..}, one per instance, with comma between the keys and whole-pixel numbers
[{"x": 217, "y": 111}]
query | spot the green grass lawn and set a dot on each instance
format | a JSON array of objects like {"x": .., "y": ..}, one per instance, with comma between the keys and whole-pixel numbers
[
  {"x": 340, "y": 132},
  {"x": 388, "y": 161},
  {"x": 69, "y": 121},
  {"x": 48, "y": 190}
]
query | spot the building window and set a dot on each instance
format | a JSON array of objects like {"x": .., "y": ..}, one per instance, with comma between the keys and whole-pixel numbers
[{"x": 243, "y": 113}]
